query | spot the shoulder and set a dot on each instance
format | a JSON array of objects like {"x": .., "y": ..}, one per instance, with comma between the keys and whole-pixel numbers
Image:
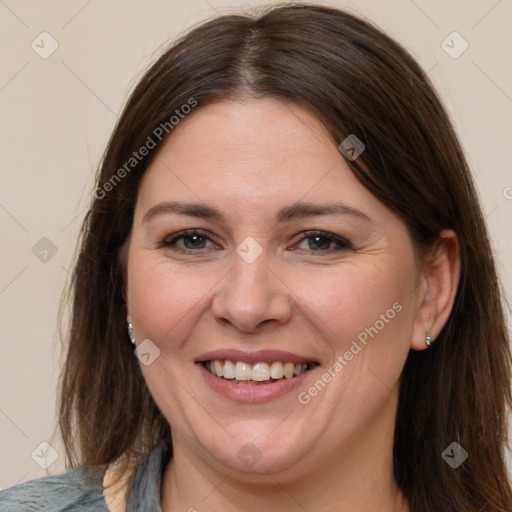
[{"x": 76, "y": 490}]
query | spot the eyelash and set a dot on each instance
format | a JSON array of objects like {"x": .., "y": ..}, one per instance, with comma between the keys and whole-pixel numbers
[{"x": 341, "y": 242}]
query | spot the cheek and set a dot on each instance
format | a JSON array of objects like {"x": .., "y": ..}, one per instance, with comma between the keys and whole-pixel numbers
[
  {"x": 162, "y": 296},
  {"x": 357, "y": 300},
  {"x": 368, "y": 312}
]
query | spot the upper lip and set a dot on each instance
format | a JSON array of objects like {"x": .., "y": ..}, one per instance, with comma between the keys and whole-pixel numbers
[{"x": 257, "y": 356}]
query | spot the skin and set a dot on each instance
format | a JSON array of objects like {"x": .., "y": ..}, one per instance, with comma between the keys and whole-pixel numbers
[{"x": 302, "y": 295}]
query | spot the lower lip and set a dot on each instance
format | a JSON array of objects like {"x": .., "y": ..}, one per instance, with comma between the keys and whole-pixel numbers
[{"x": 252, "y": 393}]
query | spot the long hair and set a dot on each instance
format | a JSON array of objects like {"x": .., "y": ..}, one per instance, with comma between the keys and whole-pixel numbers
[{"x": 355, "y": 80}]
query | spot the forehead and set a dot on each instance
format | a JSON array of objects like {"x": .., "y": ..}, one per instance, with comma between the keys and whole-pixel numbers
[{"x": 255, "y": 156}]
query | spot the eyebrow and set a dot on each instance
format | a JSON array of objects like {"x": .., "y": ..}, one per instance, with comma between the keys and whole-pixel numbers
[{"x": 288, "y": 213}]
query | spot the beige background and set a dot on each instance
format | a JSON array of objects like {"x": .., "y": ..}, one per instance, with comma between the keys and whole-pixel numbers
[{"x": 57, "y": 115}]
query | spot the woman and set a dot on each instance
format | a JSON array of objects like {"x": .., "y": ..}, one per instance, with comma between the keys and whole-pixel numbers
[{"x": 285, "y": 228}]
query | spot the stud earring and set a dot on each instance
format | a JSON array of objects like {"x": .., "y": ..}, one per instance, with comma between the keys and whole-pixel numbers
[
  {"x": 130, "y": 333},
  {"x": 428, "y": 339}
]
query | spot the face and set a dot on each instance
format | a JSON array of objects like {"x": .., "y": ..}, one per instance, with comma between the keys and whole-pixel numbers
[{"x": 256, "y": 254}]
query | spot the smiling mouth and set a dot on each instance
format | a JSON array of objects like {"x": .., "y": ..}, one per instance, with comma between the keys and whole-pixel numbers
[{"x": 242, "y": 373}]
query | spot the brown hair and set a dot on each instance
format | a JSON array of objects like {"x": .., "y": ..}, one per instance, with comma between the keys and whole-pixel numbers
[{"x": 356, "y": 80}]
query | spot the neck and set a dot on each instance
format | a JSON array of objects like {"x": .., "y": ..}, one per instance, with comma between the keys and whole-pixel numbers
[{"x": 357, "y": 476}]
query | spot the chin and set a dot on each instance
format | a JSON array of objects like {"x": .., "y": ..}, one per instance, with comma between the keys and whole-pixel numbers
[{"x": 253, "y": 453}]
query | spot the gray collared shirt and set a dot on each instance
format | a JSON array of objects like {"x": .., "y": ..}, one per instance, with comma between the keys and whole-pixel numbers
[{"x": 81, "y": 489}]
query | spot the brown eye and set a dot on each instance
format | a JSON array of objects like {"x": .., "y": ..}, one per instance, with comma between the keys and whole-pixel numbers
[
  {"x": 322, "y": 242},
  {"x": 192, "y": 240}
]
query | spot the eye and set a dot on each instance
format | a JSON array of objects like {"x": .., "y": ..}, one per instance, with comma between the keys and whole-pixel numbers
[
  {"x": 192, "y": 240},
  {"x": 321, "y": 241}
]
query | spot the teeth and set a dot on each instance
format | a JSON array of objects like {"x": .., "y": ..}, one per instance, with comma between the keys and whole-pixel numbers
[
  {"x": 259, "y": 372},
  {"x": 242, "y": 371},
  {"x": 228, "y": 371},
  {"x": 276, "y": 370},
  {"x": 217, "y": 367},
  {"x": 288, "y": 370}
]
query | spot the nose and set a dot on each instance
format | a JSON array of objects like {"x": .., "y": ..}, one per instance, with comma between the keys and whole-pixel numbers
[{"x": 252, "y": 295}]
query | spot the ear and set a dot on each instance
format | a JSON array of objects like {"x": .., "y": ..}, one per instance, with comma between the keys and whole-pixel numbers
[{"x": 437, "y": 289}]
